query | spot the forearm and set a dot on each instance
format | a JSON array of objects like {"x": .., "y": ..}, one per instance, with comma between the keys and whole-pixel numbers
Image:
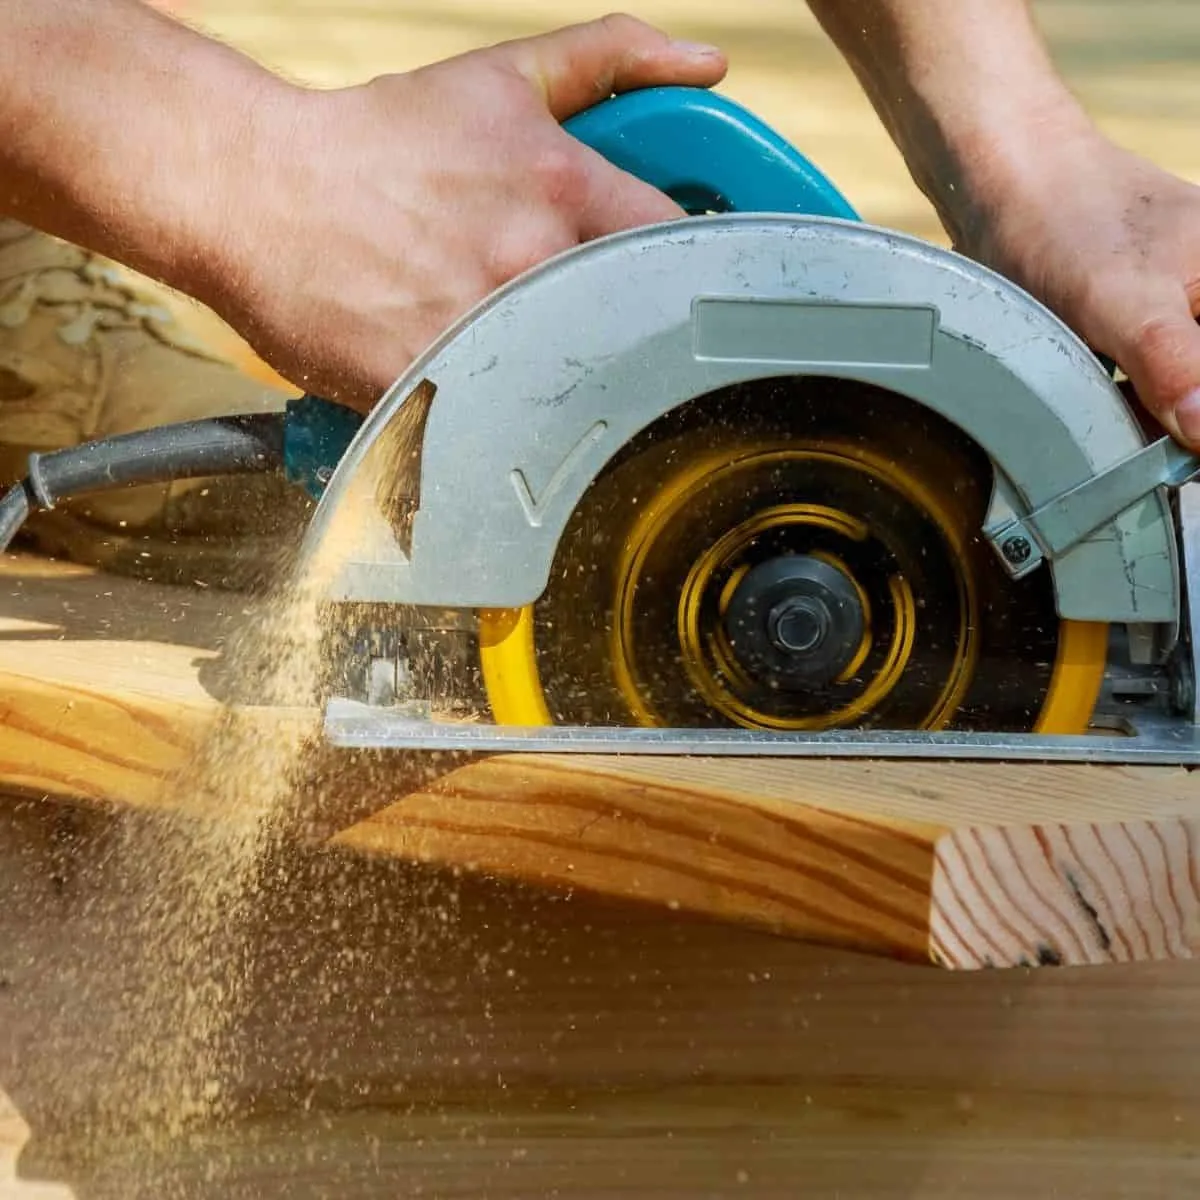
[
  {"x": 121, "y": 130},
  {"x": 966, "y": 89}
]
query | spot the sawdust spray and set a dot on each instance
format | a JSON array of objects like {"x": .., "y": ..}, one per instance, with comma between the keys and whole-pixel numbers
[
  {"x": 202, "y": 883},
  {"x": 195, "y": 876}
]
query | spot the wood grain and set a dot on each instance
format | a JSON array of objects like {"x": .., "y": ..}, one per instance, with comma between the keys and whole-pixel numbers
[
  {"x": 112, "y": 695},
  {"x": 967, "y": 864},
  {"x": 402, "y": 1032}
]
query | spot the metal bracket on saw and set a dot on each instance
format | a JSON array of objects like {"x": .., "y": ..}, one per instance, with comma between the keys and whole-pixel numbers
[
  {"x": 1061, "y": 523},
  {"x": 1187, "y": 663}
]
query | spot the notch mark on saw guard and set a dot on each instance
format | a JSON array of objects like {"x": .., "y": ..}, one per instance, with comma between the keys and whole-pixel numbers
[{"x": 533, "y": 506}]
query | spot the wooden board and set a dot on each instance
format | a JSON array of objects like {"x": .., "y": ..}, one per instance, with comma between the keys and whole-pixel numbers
[
  {"x": 409, "y": 1033},
  {"x": 112, "y": 694},
  {"x": 393, "y": 1031}
]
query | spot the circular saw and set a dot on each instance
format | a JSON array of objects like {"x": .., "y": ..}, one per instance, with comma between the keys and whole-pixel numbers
[
  {"x": 765, "y": 480},
  {"x": 794, "y": 556}
]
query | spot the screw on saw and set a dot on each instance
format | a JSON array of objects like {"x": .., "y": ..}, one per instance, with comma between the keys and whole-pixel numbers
[{"x": 1016, "y": 550}]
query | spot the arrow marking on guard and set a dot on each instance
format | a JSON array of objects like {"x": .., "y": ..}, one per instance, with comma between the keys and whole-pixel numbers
[{"x": 535, "y": 507}]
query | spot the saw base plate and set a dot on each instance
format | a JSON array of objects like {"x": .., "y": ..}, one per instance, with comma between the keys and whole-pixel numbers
[{"x": 1147, "y": 738}]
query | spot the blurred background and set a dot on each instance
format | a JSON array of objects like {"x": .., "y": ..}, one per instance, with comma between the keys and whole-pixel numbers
[{"x": 1134, "y": 63}]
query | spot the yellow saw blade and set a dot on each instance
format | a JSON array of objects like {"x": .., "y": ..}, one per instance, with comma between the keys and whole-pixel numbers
[{"x": 791, "y": 555}]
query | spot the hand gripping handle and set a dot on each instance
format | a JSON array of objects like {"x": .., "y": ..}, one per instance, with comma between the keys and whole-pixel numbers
[{"x": 704, "y": 151}]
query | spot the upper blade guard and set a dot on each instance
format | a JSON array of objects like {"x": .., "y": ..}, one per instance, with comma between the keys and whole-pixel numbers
[{"x": 530, "y": 395}]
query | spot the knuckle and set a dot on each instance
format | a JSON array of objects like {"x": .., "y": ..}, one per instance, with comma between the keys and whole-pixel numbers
[
  {"x": 1164, "y": 353},
  {"x": 1157, "y": 339},
  {"x": 560, "y": 177},
  {"x": 623, "y": 24},
  {"x": 1157, "y": 336},
  {"x": 524, "y": 249},
  {"x": 630, "y": 32}
]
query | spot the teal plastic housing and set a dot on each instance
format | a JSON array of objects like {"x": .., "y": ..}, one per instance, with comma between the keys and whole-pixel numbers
[{"x": 706, "y": 152}]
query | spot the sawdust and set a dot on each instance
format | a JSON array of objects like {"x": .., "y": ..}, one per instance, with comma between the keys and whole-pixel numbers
[
  {"x": 205, "y": 872},
  {"x": 200, "y": 872}
]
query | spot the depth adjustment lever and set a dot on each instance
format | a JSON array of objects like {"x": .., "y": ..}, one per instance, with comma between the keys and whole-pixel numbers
[{"x": 1053, "y": 528}]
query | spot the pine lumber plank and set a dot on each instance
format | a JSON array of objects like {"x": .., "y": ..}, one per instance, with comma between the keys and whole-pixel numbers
[
  {"x": 102, "y": 681},
  {"x": 397, "y": 1031},
  {"x": 111, "y": 693},
  {"x": 968, "y": 864}
]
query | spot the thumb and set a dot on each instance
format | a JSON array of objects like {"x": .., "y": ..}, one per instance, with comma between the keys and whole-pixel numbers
[
  {"x": 580, "y": 65},
  {"x": 1161, "y": 356}
]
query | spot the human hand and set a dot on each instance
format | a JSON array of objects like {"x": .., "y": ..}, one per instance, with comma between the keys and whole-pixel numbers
[
  {"x": 1111, "y": 243},
  {"x": 379, "y": 214},
  {"x": 1025, "y": 183}
]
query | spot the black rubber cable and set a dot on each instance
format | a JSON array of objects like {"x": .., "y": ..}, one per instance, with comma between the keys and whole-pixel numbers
[{"x": 237, "y": 445}]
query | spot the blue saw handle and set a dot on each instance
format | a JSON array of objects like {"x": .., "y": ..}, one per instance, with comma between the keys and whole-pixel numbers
[
  {"x": 704, "y": 151},
  {"x": 707, "y": 153}
]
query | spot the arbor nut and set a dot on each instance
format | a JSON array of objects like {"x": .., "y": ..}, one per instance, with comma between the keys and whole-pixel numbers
[
  {"x": 795, "y": 622},
  {"x": 799, "y": 624}
]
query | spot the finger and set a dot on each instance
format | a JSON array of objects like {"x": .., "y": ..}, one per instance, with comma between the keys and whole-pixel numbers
[
  {"x": 1160, "y": 353},
  {"x": 580, "y": 65},
  {"x": 616, "y": 200}
]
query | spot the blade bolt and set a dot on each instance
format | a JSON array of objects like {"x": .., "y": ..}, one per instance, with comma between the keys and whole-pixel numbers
[
  {"x": 1016, "y": 550},
  {"x": 794, "y": 622},
  {"x": 798, "y": 624}
]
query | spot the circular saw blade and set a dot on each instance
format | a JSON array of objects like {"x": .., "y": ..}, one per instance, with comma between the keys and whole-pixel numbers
[{"x": 798, "y": 554}]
